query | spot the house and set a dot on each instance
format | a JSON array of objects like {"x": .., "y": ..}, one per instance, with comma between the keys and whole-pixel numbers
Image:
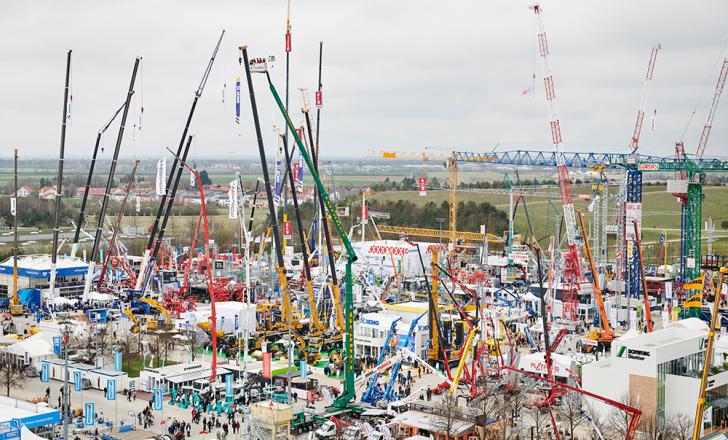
[
  {"x": 47, "y": 193},
  {"x": 25, "y": 191}
]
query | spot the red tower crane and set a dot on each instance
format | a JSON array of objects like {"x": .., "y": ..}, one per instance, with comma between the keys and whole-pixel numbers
[
  {"x": 711, "y": 113},
  {"x": 643, "y": 100},
  {"x": 572, "y": 267}
]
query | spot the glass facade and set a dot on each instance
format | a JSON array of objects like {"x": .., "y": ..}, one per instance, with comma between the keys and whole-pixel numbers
[{"x": 688, "y": 366}]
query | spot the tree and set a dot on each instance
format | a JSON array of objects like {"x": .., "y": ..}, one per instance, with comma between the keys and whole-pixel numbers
[
  {"x": 724, "y": 224},
  {"x": 194, "y": 340},
  {"x": 485, "y": 407},
  {"x": 128, "y": 346},
  {"x": 204, "y": 178},
  {"x": 570, "y": 412},
  {"x": 618, "y": 420},
  {"x": 541, "y": 421},
  {"x": 161, "y": 344},
  {"x": 447, "y": 411},
  {"x": 652, "y": 429},
  {"x": 11, "y": 375},
  {"x": 680, "y": 427}
]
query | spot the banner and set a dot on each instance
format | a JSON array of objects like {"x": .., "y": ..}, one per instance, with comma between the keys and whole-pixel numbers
[
  {"x": 88, "y": 414},
  {"x": 237, "y": 100},
  {"x": 696, "y": 284},
  {"x": 299, "y": 176},
  {"x": 288, "y": 41},
  {"x": 422, "y": 185},
  {"x": 44, "y": 373},
  {"x": 277, "y": 192},
  {"x": 161, "y": 177},
  {"x": 13, "y": 206},
  {"x": 233, "y": 200},
  {"x": 633, "y": 211},
  {"x": 303, "y": 370},
  {"x": 319, "y": 99},
  {"x": 57, "y": 345},
  {"x": 266, "y": 365},
  {"x": 138, "y": 207},
  {"x": 294, "y": 172},
  {"x": 111, "y": 389},
  {"x": 158, "y": 399},
  {"x": 77, "y": 380},
  {"x": 287, "y": 230},
  {"x": 117, "y": 360},
  {"x": 229, "y": 387}
]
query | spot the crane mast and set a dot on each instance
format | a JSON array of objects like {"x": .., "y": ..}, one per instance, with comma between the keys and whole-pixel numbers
[
  {"x": 643, "y": 100},
  {"x": 711, "y": 113},
  {"x": 556, "y": 138}
]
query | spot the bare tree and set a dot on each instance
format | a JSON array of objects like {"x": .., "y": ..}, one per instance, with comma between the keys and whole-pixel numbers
[
  {"x": 161, "y": 344},
  {"x": 680, "y": 427},
  {"x": 447, "y": 409},
  {"x": 11, "y": 375},
  {"x": 618, "y": 420},
  {"x": 652, "y": 429},
  {"x": 194, "y": 340},
  {"x": 128, "y": 346},
  {"x": 570, "y": 413},
  {"x": 485, "y": 407}
]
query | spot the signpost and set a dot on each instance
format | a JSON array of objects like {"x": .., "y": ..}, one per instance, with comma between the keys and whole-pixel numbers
[{"x": 44, "y": 373}]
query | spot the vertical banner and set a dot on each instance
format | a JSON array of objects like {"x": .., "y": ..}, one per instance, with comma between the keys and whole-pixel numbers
[
  {"x": 319, "y": 99},
  {"x": 57, "y": 345},
  {"x": 288, "y": 41},
  {"x": 237, "y": 100},
  {"x": 13, "y": 206},
  {"x": 192, "y": 179},
  {"x": 111, "y": 389},
  {"x": 117, "y": 360},
  {"x": 287, "y": 230},
  {"x": 88, "y": 414},
  {"x": 294, "y": 172},
  {"x": 138, "y": 207},
  {"x": 44, "y": 370},
  {"x": 422, "y": 185},
  {"x": 158, "y": 399},
  {"x": 633, "y": 211},
  {"x": 266, "y": 365},
  {"x": 77, "y": 380},
  {"x": 26, "y": 358},
  {"x": 299, "y": 184},
  {"x": 303, "y": 370},
  {"x": 161, "y": 186},
  {"x": 233, "y": 200},
  {"x": 229, "y": 387},
  {"x": 277, "y": 192},
  {"x": 364, "y": 213}
]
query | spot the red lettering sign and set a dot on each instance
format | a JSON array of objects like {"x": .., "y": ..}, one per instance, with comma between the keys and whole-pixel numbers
[
  {"x": 422, "y": 185},
  {"x": 648, "y": 167},
  {"x": 288, "y": 41},
  {"x": 319, "y": 99},
  {"x": 287, "y": 230},
  {"x": 266, "y": 365}
]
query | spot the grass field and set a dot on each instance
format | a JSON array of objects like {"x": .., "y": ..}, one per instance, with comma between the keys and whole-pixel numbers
[{"x": 655, "y": 199}]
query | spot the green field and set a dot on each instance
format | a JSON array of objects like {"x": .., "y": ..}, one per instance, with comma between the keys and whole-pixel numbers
[{"x": 655, "y": 199}]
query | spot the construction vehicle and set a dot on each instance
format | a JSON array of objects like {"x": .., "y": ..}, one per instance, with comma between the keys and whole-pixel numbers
[
  {"x": 370, "y": 394},
  {"x": 389, "y": 394},
  {"x": 714, "y": 323}
]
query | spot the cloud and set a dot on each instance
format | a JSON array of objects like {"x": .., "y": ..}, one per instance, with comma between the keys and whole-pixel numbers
[{"x": 401, "y": 75}]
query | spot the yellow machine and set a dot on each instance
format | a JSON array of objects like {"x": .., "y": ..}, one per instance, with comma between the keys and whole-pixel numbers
[
  {"x": 150, "y": 322},
  {"x": 158, "y": 307}
]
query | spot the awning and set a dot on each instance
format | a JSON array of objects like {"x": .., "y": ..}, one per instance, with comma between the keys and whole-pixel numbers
[{"x": 194, "y": 375}]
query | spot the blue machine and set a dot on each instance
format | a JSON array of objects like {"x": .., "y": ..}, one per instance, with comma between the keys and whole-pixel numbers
[
  {"x": 372, "y": 392},
  {"x": 389, "y": 394}
]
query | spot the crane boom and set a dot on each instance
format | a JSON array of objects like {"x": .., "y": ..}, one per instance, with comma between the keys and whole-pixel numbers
[
  {"x": 711, "y": 112},
  {"x": 643, "y": 100},
  {"x": 555, "y": 125}
]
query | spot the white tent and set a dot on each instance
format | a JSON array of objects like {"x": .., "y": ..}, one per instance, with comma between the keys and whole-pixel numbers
[{"x": 27, "y": 434}]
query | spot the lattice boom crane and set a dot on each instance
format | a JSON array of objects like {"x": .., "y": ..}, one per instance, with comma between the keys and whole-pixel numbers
[{"x": 643, "y": 101}]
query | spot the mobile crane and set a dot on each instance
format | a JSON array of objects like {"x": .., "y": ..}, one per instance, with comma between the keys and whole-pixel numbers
[
  {"x": 342, "y": 401},
  {"x": 369, "y": 395}
]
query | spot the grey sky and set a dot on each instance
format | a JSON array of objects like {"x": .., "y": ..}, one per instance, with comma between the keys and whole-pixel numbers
[{"x": 397, "y": 75}]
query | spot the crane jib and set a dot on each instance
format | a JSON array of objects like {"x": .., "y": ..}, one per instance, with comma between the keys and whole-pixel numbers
[{"x": 329, "y": 206}]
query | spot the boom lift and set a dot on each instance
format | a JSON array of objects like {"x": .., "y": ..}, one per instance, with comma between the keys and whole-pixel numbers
[
  {"x": 370, "y": 394},
  {"x": 389, "y": 390}
]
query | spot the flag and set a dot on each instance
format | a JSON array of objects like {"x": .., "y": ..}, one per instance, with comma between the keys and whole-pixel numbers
[
  {"x": 696, "y": 284},
  {"x": 161, "y": 176},
  {"x": 13, "y": 206},
  {"x": 299, "y": 182},
  {"x": 277, "y": 192},
  {"x": 319, "y": 99},
  {"x": 237, "y": 100},
  {"x": 138, "y": 204},
  {"x": 192, "y": 178},
  {"x": 233, "y": 200},
  {"x": 652, "y": 120}
]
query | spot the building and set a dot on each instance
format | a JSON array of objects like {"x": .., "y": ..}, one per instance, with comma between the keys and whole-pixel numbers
[
  {"x": 660, "y": 371},
  {"x": 18, "y": 415},
  {"x": 34, "y": 272},
  {"x": 176, "y": 376},
  {"x": 47, "y": 193},
  {"x": 25, "y": 191}
]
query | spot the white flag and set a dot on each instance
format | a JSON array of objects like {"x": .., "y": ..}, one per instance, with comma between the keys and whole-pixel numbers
[
  {"x": 233, "y": 200},
  {"x": 192, "y": 180},
  {"x": 162, "y": 176},
  {"x": 653, "y": 120},
  {"x": 12, "y": 206},
  {"x": 138, "y": 204}
]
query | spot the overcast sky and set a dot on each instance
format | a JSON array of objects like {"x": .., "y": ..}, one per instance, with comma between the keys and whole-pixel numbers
[{"x": 397, "y": 74}]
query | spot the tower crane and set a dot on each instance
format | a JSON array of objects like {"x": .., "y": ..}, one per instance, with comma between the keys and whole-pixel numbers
[
  {"x": 572, "y": 265},
  {"x": 705, "y": 134},
  {"x": 643, "y": 100}
]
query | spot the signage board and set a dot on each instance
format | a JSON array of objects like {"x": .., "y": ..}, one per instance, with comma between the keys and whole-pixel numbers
[
  {"x": 88, "y": 414},
  {"x": 266, "y": 365},
  {"x": 111, "y": 389},
  {"x": 158, "y": 399}
]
